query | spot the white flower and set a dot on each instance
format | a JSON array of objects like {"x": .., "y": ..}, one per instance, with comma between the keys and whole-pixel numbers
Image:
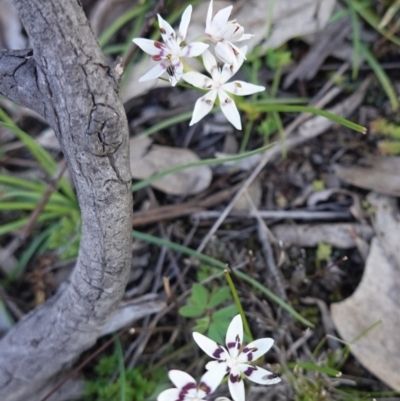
[
  {"x": 217, "y": 85},
  {"x": 187, "y": 388},
  {"x": 169, "y": 53},
  {"x": 236, "y": 358},
  {"x": 224, "y": 33}
]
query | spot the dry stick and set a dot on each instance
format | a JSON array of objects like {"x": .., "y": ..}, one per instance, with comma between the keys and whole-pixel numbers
[
  {"x": 21, "y": 237},
  {"x": 277, "y": 215},
  {"x": 263, "y": 234}
]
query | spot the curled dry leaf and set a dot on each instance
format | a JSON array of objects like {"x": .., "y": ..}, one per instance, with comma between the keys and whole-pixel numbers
[
  {"x": 376, "y": 300},
  {"x": 147, "y": 160},
  {"x": 377, "y": 173}
]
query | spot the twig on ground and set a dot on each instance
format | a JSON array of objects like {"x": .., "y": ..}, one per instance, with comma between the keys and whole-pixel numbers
[{"x": 277, "y": 215}]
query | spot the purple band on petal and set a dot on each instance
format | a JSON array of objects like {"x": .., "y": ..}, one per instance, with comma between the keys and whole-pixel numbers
[
  {"x": 217, "y": 353},
  {"x": 203, "y": 386},
  {"x": 248, "y": 372},
  {"x": 234, "y": 378},
  {"x": 187, "y": 387},
  {"x": 232, "y": 344}
]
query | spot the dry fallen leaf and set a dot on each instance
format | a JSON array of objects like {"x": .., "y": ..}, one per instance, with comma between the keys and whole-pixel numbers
[
  {"x": 147, "y": 160},
  {"x": 378, "y": 173},
  {"x": 340, "y": 235},
  {"x": 376, "y": 299}
]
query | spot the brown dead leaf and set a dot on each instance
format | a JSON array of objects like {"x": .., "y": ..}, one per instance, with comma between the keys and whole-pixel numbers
[
  {"x": 147, "y": 160},
  {"x": 339, "y": 235},
  {"x": 376, "y": 299},
  {"x": 378, "y": 173}
]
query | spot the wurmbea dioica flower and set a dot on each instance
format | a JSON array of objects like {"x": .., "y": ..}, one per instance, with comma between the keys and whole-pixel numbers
[
  {"x": 223, "y": 32},
  {"x": 236, "y": 358},
  {"x": 218, "y": 85},
  {"x": 170, "y": 55},
  {"x": 187, "y": 388},
  {"x": 170, "y": 52}
]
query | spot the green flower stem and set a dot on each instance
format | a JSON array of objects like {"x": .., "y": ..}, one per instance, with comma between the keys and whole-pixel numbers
[{"x": 239, "y": 305}]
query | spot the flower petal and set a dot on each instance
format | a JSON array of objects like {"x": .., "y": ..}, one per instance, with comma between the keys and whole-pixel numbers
[
  {"x": 167, "y": 32},
  {"x": 210, "y": 64},
  {"x": 241, "y": 88},
  {"x": 209, "y": 16},
  {"x": 154, "y": 73},
  {"x": 210, "y": 347},
  {"x": 202, "y": 107},
  {"x": 193, "y": 49},
  {"x": 174, "y": 70},
  {"x": 255, "y": 349},
  {"x": 148, "y": 46},
  {"x": 224, "y": 52},
  {"x": 231, "y": 112},
  {"x": 245, "y": 36},
  {"x": 221, "y": 18},
  {"x": 229, "y": 71},
  {"x": 217, "y": 365},
  {"x": 198, "y": 80},
  {"x": 185, "y": 20},
  {"x": 259, "y": 375},
  {"x": 171, "y": 394},
  {"x": 181, "y": 379},
  {"x": 211, "y": 380},
  {"x": 236, "y": 385}
]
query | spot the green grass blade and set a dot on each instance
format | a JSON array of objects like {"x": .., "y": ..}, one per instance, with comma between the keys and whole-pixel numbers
[
  {"x": 316, "y": 368},
  {"x": 15, "y": 225},
  {"x": 32, "y": 205},
  {"x": 27, "y": 256},
  {"x": 18, "y": 194},
  {"x": 19, "y": 182},
  {"x": 381, "y": 75},
  {"x": 369, "y": 16},
  {"x": 312, "y": 110},
  {"x": 120, "y": 22},
  {"x": 207, "y": 162},
  {"x": 39, "y": 153},
  {"x": 216, "y": 263},
  {"x": 355, "y": 23},
  {"x": 121, "y": 366},
  {"x": 169, "y": 122}
]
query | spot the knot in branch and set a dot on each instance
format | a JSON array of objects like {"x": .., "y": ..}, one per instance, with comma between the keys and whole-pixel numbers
[{"x": 104, "y": 133}]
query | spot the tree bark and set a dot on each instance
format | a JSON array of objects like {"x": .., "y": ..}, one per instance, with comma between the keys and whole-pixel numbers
[{"x": 66, "y": 80}]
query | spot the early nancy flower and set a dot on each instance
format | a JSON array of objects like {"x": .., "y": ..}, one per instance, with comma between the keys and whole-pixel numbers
[
  {"x": 187, "y": 388},
  {"x": 224, "y": 33},
  {"x": 170, "y": 52},
  {"x": 236, "y": 358},
  {"x": 218, "y": 86}
]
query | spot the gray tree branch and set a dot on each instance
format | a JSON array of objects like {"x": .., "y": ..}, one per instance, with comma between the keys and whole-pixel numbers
[{"x": 76, "y": 91}]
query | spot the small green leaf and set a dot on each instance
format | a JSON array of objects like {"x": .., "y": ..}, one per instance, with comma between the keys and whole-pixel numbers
[
  {"x": 202, "y": 324},
  {"x": 312, "y": 366},
  {"x": 226, "y": 313},
  {"x": 199, "y": 295},
  {"x": 220, "y": 295},
  {"x": 191, "y": 310},
  {"x": 217, "y": 332}
]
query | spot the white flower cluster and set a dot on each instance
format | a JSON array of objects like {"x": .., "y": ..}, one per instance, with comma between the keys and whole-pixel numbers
[
  {"x": 171, "y": 53},
  {"x": 235, "y": 360}
]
